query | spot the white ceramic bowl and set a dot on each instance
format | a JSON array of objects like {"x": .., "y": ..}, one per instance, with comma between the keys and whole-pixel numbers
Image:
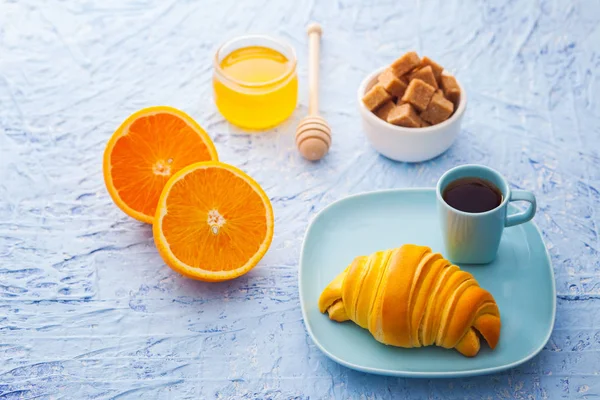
[{"x": 409, "y": 144}]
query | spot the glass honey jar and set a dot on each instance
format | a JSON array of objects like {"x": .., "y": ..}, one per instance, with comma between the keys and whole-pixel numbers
[{"x": 255, "y": 81}]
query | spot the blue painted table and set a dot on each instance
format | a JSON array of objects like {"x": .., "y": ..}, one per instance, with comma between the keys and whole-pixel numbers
[{"x": 87, "y": 307}]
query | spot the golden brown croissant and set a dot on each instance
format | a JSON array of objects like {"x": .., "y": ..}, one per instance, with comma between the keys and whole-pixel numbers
[{"x": 411, "y": 297}]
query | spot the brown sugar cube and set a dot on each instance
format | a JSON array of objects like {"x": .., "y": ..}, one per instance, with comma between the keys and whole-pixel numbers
[
  {"x": 425, "y": 124},
  {"x": 391, "y": 83},
  {"x": 376, "y": 97},
  {"x": 439, "y": 91},
  {"x": 436, "y": 68},
  {"x": 426, "y": 75},
  {"x": 438, "y": 110},
  {"x": 384, "y": 110},
  {"x": 405, "y": 115},
  {"x": 405, "y": 63},
  {"x": 418, "y": 93},
  {"x": 451, "y": 89},
  {"x": 409, "y": 76}
]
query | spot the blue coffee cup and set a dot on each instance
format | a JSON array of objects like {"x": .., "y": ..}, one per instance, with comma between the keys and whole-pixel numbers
[{"x": 473, "y": 238}]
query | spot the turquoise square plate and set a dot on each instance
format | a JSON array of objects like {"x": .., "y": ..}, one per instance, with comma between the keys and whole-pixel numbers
[{"x": 521, "y": 280}]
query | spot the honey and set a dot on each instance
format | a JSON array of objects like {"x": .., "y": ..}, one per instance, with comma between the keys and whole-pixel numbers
[{"x": 255, "y": 82}]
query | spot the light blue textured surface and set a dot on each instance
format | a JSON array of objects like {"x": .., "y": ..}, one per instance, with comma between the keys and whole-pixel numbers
[{"x": 88, "y": 309}]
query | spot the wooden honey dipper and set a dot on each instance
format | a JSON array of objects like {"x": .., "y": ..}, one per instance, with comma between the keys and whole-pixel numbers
[{"x": 313, "y": 135}]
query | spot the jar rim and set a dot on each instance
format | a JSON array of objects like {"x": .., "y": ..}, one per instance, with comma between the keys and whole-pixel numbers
[{"x": 292, "y": 61}]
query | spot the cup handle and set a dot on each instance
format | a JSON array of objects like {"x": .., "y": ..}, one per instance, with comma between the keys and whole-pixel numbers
[{"x": 519, "y": 218}]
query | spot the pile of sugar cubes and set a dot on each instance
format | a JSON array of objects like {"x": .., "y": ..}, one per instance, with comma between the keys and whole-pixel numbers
[{"x": 413, "y": 93}]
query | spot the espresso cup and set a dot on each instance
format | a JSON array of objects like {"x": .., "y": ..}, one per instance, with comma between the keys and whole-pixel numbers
[{"x": 473, "y": 238}]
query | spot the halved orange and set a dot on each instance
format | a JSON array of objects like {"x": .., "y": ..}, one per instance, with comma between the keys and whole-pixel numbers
[
  {"x": 213, "y": 222},
  {"x": 145, "y": 151}
]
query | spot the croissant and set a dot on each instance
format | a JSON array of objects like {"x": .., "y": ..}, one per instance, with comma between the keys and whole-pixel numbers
[{"x": 411, "y": 297}]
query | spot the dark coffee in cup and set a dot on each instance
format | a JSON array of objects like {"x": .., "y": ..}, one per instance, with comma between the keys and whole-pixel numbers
[
  {"x": 473, "y": 203},
  {"x": 472, "y": 195}
]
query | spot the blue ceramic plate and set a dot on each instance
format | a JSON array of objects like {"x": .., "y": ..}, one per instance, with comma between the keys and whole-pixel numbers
[{"x": 521, "y": 280}]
